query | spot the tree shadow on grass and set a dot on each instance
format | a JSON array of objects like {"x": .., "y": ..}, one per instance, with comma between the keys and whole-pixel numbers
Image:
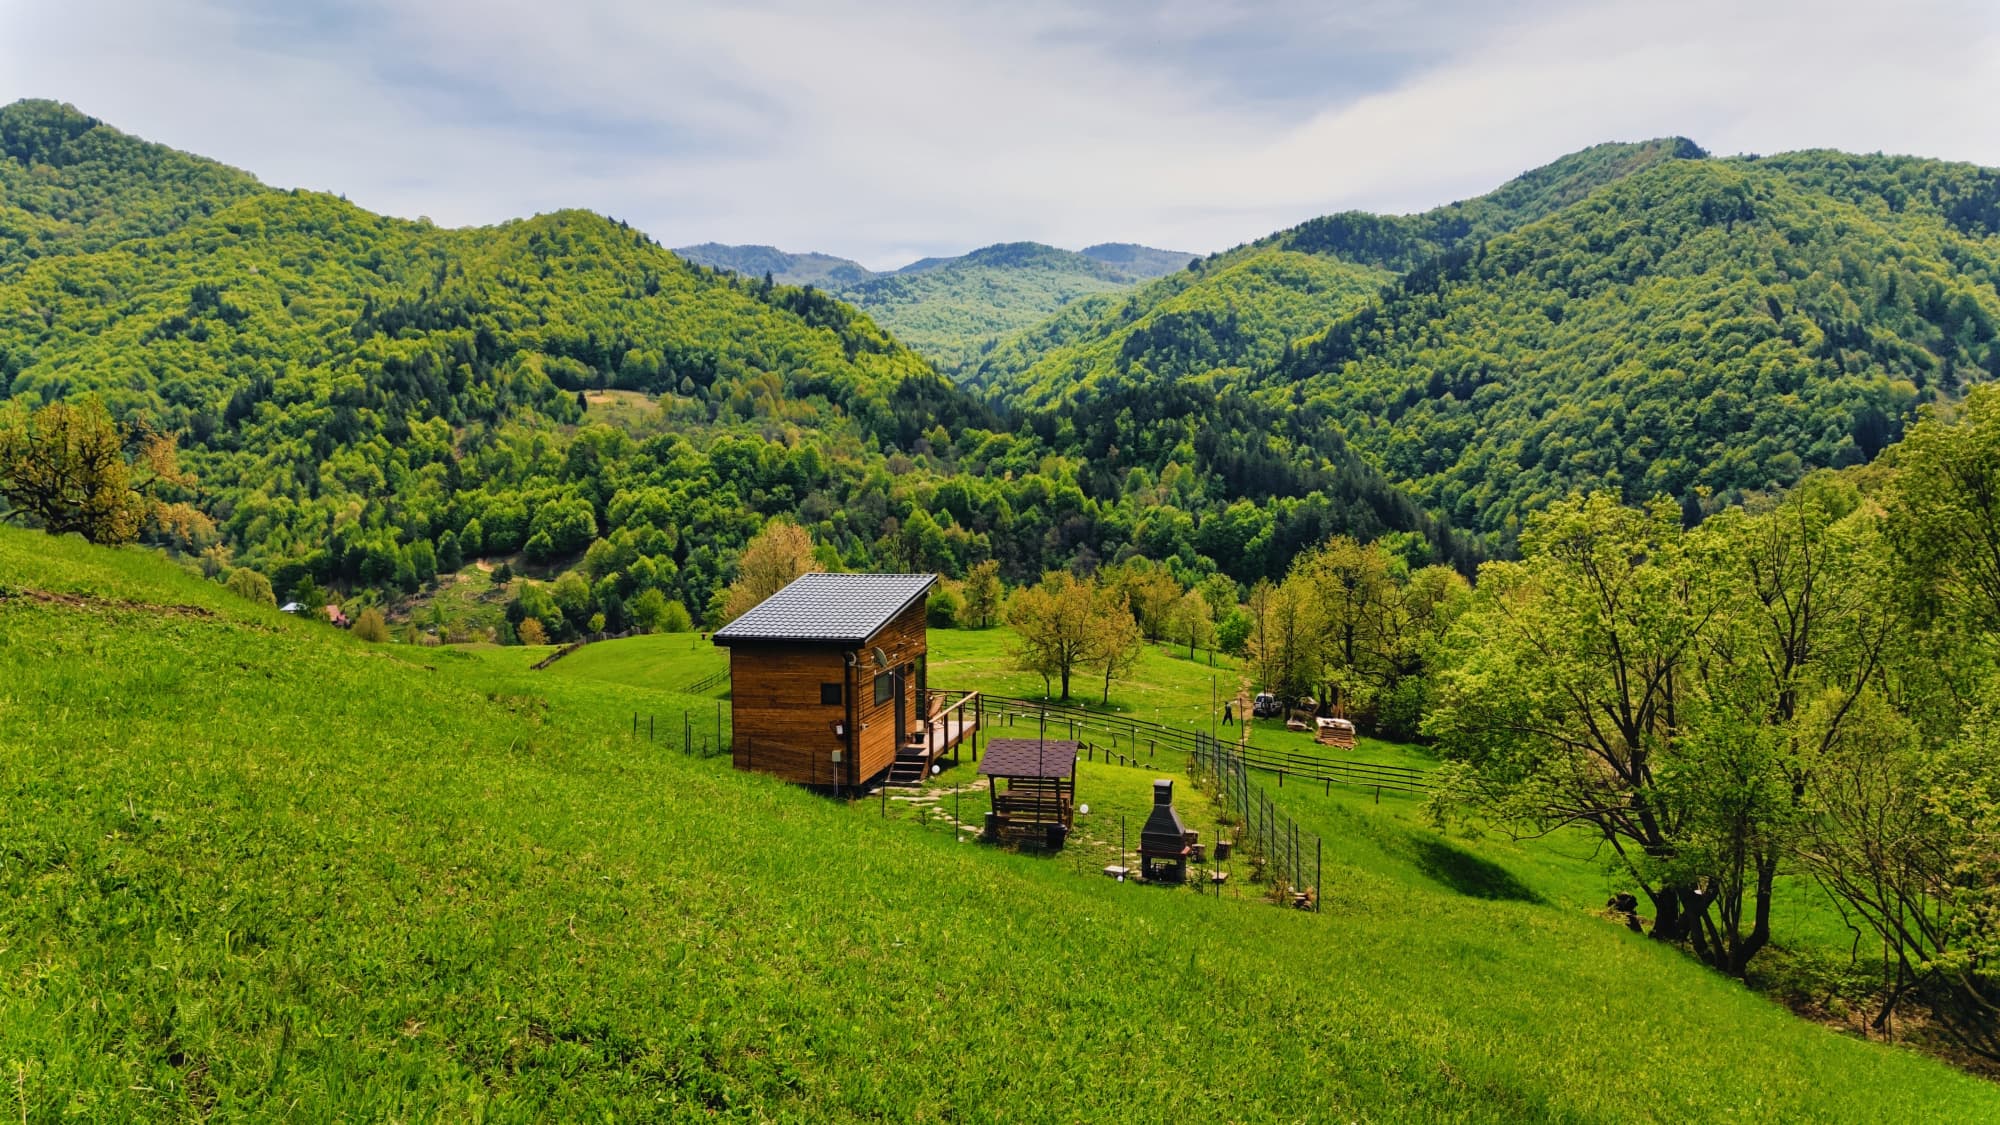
[{"x": 1459, "y": 870}]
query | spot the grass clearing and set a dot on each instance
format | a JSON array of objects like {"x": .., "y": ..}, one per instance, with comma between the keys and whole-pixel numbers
[
  {"x": 456, "y": 607},
  {"x": 256, "y": 868}
]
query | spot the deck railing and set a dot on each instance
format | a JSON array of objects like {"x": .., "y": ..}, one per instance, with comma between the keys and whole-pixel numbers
[{"x": 954, "y": 722}]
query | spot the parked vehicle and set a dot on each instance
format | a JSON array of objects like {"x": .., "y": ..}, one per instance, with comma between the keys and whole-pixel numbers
[{"x": 1266, "y": 706}]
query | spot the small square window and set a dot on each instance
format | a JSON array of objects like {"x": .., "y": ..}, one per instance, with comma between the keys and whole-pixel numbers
[
  {"x": 885, "y": 687},
  {"x": 829, "y": 695}
]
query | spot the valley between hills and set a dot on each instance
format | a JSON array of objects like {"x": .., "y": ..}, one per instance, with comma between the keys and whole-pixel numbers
[{"x": 370, "y": 752}]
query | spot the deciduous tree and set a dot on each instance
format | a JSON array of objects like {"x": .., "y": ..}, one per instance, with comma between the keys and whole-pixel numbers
[
  {"x": 1565, "y": 700},
  {"x": 1067, "y": 624},
  {"x": 69, "y": 468},
  {"x": 370, "y": 627},
  {"x": 1193, "y": 622},
  {"x": 982, "y": 594},
  {"x": 1117, "y": 644},
  {"x": 774, "y": 557}
]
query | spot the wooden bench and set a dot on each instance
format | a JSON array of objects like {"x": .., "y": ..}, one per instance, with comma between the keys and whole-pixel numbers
[{"x": 1014, "y": 809}]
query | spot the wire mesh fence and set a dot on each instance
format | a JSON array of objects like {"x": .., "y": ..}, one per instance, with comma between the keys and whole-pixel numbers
[{"x": 1281, "y": 855}]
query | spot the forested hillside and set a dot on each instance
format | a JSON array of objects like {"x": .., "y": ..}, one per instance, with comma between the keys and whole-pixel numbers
[
  {"x": 1703, "y": 327},
  {"x": 1236, "y": 311},
  {"x": 70, "y": 182},
  {"x": 368, "y": 401},
  {"x": 1635, "y": 316}
]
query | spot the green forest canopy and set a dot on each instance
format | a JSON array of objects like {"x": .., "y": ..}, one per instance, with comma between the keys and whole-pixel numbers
[
  {"x": 352, "y": 389},
  {"x": 1638, "y": 316}
]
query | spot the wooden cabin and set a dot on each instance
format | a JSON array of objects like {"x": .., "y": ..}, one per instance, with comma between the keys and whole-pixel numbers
[{"x": 827, "y": 677}]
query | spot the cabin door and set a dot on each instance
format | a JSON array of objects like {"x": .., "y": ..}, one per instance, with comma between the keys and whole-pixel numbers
[{"x": 902, "y": 708}]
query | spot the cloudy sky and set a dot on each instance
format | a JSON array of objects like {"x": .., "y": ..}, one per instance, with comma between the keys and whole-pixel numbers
[{"x": 884, "y": 131}]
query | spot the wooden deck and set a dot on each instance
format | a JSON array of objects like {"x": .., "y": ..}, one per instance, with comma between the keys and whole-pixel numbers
[
  {"x": 943, "y": 733},
  {"x": 924, "y": 743}
]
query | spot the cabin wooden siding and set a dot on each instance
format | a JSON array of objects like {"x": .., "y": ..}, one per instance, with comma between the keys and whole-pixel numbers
[{"x": 782, "y": 728}]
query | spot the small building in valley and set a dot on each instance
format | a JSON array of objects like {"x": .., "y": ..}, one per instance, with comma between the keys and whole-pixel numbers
[{"x": 827, "y": 677}]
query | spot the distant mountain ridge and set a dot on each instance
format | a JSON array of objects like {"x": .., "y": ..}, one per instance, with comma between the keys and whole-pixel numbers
[
  {"x": 821, "y": 270},
  {"x": 952, "y": 309},
  {"x": 1122, "y": 261}
]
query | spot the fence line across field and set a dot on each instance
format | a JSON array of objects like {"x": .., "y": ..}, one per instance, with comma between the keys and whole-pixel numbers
[
  {"x": 1285, "y": 765},
  {"x": 695, "y": 735}
]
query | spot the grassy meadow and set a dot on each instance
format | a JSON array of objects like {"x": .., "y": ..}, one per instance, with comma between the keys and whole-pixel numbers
[{"x": 255, "y": 869}]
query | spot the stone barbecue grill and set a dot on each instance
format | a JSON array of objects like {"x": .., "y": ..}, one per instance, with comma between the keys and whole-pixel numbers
[{"x": 1165, "y": 843}]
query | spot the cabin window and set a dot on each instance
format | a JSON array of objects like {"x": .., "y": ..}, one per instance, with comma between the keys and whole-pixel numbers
[
  {"x": 885, "y": 687},
  {"x": 829, "y": 695}
]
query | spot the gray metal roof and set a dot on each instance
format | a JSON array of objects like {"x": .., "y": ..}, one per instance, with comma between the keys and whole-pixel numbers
[{"x": 828, "y": 608}]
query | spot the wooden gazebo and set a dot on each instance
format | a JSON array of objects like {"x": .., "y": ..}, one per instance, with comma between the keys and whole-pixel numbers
[{"x": 1039, "y": 802}]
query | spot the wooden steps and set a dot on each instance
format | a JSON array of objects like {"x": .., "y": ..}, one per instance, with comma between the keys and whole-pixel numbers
[{"x": 908, "y": 771}]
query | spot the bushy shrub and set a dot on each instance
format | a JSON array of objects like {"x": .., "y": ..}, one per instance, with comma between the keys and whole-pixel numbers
[
  {"x": 369, "y": 626},
  {"x": 677, "y": 619},
  {"x": 251, "y": 586},
  {"x": 944, "y": 608}
]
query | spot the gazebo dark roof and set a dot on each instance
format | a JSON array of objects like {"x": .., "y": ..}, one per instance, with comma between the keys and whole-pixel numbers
[
  {"x": 1029, "y": 757},
  {"x": 828, "y": 608}
]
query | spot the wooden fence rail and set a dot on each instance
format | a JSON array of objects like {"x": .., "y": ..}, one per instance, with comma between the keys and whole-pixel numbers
[{"x": 707, "y": 683}]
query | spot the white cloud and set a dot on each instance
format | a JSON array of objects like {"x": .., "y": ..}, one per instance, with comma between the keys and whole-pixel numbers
[{"x": 885, "y": 131}]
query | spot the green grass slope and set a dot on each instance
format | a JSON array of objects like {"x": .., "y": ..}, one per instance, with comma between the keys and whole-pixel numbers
[
  {"x": 1386, "y": 839},
  {"x": 254, "y": 868}
]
